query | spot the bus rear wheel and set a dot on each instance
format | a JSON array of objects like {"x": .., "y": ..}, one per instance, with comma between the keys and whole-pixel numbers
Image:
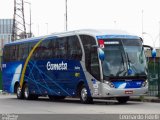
[
  {"x": 27, "y": 94},
  {"x": 19, "y": 92},
  {"x": 83, "y": 94},
  {"x": 122, "y": 100}
]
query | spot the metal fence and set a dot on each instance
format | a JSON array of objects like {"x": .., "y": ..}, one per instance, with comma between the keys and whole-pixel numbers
[
  {"x": 0, "y": 70},
  {"x": 154, "y": 77},
  {"x": 0, "y": 80}
]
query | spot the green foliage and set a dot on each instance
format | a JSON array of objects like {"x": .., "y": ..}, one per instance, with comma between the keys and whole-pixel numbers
[{"x": 141, "y": 98}]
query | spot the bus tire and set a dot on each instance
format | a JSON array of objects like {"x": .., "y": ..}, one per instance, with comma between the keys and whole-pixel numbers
[
  {"x": 84, "y": 95},
  {"x": 19, "y": 92},
  {"x": 27, "y": 94},
  {"x": 55, "y": 98},
  {"x": 122, "y": 100}
]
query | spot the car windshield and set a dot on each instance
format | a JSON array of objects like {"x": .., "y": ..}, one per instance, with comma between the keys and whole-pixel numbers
[{"x": 124, "y": 57}]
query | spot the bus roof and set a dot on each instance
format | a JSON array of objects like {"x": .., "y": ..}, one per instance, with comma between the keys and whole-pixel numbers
[
  {"x": 93, "y": 32},
  {"x": 103, "y": 34}
]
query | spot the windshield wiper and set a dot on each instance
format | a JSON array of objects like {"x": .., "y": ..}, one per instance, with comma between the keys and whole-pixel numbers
[
  {"x": 130, "y": 65},
  {"x": 129, "y": 62},
  {"x": 123, "y": 70}
]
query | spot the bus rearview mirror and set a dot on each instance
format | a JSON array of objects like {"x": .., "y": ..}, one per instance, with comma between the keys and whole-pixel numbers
[
  {"x": 153, "y": 50},
  {"x": 154, "y": 53},
  {"x": 101, "y": 54}
]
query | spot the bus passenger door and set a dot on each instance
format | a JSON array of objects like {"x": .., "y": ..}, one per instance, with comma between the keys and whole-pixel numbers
[{"x": 94, "y": 65}]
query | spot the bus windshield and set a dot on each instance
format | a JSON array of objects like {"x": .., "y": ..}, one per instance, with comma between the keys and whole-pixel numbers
[{"x": 124, "y": 57}]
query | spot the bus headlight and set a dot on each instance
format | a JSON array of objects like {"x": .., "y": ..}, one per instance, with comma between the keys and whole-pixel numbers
[
  {"x": 145, "y": 83},
  {"x": 109, "y": 83}
]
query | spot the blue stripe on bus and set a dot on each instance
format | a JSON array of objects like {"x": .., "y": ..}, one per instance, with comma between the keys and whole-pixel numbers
[
  {"x": 128, "y": 84},
  {"x": 117, "y": 36},
  {"x": 29, "y": 40}
]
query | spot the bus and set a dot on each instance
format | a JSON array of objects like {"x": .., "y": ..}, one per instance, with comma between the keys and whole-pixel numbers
[{"x": 83, "y": 63}]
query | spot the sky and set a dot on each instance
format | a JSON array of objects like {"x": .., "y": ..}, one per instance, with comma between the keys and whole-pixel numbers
[{"x": 48, "y": 16}]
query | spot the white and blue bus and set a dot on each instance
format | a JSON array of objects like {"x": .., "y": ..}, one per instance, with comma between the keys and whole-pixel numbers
[{"x": 84, "y": 63}]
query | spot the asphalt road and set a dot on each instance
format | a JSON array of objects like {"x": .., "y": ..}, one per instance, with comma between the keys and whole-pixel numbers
[{"x": 10, "y": 104}]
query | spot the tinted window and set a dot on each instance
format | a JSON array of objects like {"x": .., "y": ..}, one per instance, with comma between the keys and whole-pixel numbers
[
  {"x": 22, "y": 51},
  {"x": 64, "y": 47},
  {"x": 44, "y": 50},
  {"x": 13, "y": 53},
  {"x": 67, "y": 48},
  {"x": 31, "y": 45},
  {"x": 74, "y": 48},
  {"x": 60, "y": 50},
  {"x": 6, "y": 54}
]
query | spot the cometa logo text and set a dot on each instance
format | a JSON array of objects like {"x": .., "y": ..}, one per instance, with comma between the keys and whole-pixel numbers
[{"x": 56, "y": 66}]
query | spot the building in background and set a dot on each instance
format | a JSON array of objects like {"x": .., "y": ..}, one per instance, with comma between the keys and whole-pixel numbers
[
  {"x": 5, "y": 36},
  {"x": 5, "y": 31}
]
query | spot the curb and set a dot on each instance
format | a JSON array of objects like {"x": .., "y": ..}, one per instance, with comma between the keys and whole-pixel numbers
[
  {"x": 3, "y": 93},
  {"x": 156, "y": 100}
]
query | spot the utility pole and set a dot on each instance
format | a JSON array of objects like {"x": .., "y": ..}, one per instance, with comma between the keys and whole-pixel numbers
[
  {"x": 66, "y": 16},
  {"x": 159, "y": 34},
  {"x": 30, "y": 21},
  {"x": 19, "y": 28},
  {"x": 142, "y": 24},
  {"x": 38, "y": 29},
  {"x": 47, "y": 28},
  {"x": 159, "y": 67}
]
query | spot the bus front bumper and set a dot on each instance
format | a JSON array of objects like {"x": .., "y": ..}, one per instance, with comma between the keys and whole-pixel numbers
[{"x": 106, "y": 91}]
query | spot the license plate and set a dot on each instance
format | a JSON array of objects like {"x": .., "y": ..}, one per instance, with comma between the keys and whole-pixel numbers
[{"x": 128, "y": 92}]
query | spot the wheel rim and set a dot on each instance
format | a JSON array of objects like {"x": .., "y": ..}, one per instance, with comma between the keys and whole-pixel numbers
[
  {"x": 84, "y": 94},
  {"x": 19, "y": 91},
  {"x": 26, "y": 92}
]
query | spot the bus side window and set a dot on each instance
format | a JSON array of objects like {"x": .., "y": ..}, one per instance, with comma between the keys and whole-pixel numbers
[
  {"x": 63, "y": 48},
  {"x": 13, "y": 53},
  {"x": 31, "y": 45},
  {"x": 42, "y": 51},
  {"x": 23, "y": 51},
  {"x": 45, "y": 51},
  {"x": 60, "y": 48},
  {"x": 6, "y": 54},
  {"x": 50, "y": 46},
  {"x": 56, "y": 49},
  {"x": 95, "y": 63},
  {"x": 74, "y": 48}
]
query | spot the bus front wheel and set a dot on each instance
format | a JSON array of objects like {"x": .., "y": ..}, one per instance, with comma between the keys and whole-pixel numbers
[
  {"x": 122, "y": 100},
  {"x": 83, "y": 94}
]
